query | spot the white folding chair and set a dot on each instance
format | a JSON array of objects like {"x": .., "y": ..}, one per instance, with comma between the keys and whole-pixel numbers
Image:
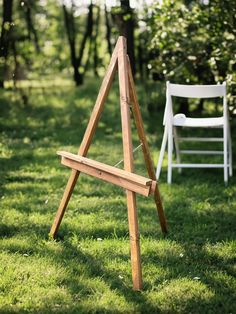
[{"x": 171, "y": 122}]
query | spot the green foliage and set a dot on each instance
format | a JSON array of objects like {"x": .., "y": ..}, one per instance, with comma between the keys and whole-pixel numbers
[
  {"x": 193, "y": 42},
  {"x": 87, "y": 270}
]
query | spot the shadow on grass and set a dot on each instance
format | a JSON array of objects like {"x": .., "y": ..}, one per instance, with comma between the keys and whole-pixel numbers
[
  {"x": 74, "y": 258},
  {"x": 197, "y": 209}
]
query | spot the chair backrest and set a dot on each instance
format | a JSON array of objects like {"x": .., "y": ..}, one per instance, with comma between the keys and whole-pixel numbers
[
  {"x": 193, "y": 91},
  {"x": 197, "y": 91}
]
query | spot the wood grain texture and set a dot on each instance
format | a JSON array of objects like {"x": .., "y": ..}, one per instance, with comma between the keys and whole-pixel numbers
[
  {"x": 133, "y": 177},
  {"x": 93, "y": 122},
  {"x": 64, "y": 202},
  {"x": 146, "y": 153},
  {"x": 128, "y": 166},
  {"x": 126, "y": 180}
]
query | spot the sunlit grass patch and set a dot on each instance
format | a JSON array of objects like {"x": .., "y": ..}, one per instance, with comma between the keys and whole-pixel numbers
[
  {"x": 28, "y": 281},
  {"x": 182, "y": 296}
]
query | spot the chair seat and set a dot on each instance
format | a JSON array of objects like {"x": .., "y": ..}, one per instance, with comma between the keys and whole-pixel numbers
[{"x": 181, "y": 120}]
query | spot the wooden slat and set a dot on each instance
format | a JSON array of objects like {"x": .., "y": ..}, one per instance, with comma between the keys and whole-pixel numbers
[
  {"x": 145, "y": 148},
  {"x": 107, "y": 176},
  {"x": 128, "y": 165},
  {"x": 106, "y": 168}
]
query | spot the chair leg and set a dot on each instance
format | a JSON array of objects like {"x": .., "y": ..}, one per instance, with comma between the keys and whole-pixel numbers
[
  {"x": 230, "y": 152},
  {"x": 176, "y": 141},
  {"x": 170, "y": 149},
  {"x": 162, "y": 152},
  {"x": 225, "y": 130}
]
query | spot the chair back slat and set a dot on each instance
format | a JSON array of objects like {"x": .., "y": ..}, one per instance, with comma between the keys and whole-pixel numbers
[{"x": 197, "y": 91}]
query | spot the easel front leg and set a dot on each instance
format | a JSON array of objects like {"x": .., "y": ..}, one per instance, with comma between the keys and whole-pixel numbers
[
  {"x": 134, "y": 241},
  {"x": 65, "y": 199},
  {"x": 128, "y": 165}
]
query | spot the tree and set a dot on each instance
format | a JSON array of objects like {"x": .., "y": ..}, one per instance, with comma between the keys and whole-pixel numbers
[
  {"x": 70, "y": 24},
  {"x": 108, "y": 30},
  {"x": 19, "y": 38},
  {"x": 5, "y": 39},
  {"x": 32, "y": 33},
  {"x": 124, "y": 18},
  {"x": 127, "y": 30},
  {"x": 95, "y": 42},
  {"x": 193, "y": 42}
]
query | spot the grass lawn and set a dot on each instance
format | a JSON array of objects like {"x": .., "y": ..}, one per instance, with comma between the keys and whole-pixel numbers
[{"x": 87, "y": 269}]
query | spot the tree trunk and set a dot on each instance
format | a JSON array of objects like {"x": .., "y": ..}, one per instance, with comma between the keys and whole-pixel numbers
[
  {"x": 127, "y": 30},
  {"x": 5, "y": 37},
  {"x": 70, "y": 30},
  {"x": 30, "y": 25},
  {"x": 184, "y": 107},
  {"x": 108, "y": 31},
  {"x": 76, "y": 62},
  {"x": 95, "y": 48},
  {"x": 200, "y": 106},
  {"x": 16, "y": 63},
  {"x": 140, "y": 58},
  {"x": 77, "y": 76},
  {"x": 87, "y": 61},
  {"x": 87, "y": 34}
]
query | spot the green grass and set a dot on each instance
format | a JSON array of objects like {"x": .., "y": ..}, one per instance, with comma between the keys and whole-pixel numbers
[{"x": 87, "y": 269}]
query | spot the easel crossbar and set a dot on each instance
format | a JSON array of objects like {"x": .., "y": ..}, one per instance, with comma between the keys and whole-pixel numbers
[{"x": 122, "y": 178}]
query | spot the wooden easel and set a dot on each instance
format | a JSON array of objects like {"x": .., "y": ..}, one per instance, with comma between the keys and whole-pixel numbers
[{"x": 133, "y": 183}]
